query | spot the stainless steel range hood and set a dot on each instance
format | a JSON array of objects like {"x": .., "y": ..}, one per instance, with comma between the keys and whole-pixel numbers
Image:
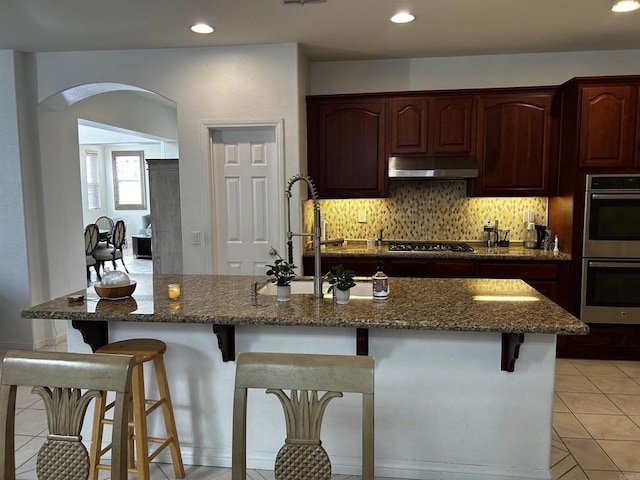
[{"x": 434, "y": 168}]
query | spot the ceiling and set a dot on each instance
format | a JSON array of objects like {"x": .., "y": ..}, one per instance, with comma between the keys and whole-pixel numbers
[{"x": 334, "y": 30}]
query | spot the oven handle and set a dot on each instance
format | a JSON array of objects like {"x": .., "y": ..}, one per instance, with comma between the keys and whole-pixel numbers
[
  {"x": 612, "y": 196},
  {"x": 614, "y": 264}
]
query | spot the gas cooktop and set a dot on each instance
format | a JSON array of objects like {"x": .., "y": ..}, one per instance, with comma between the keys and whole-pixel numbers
[{"x": 429, "y": 247}]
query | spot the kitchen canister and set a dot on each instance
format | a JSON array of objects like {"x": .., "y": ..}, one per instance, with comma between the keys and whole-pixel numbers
[{"x": 380, "y": 285}]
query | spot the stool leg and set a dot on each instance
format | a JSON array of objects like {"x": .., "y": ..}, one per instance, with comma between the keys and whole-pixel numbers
[
  {"x": 140, "y": 423},
  {"x": 131, "y": 447},
  {"x": 169, "y": 420},
  {"x": 96, "y": 435}
]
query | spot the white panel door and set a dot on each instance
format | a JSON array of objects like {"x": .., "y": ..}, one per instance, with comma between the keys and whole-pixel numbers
[{"x": 246, "y": 219}]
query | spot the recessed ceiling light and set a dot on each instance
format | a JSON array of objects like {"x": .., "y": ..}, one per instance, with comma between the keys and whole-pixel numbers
[
  {"x": 625, "y": 6},
  {"x": 202, "y": 28},
  {"x": 402, "y": 17}
]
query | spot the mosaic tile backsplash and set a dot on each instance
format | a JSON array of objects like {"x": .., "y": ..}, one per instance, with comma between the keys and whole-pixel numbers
[{"x": 433, "y": 210}]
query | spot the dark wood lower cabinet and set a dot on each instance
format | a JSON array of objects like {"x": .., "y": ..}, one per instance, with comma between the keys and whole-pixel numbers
[{"x": 604, "y": 342}]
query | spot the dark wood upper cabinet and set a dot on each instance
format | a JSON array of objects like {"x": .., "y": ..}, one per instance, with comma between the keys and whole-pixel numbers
[
  {"x": 347, "y": 153},
  {"x": 431, "y": 125},
  {"x": 451, "y": 125},
  {"x": 408, "y": 125},
  {"x": 515, "y": 138},
  {"x": 607, "y": 126}
]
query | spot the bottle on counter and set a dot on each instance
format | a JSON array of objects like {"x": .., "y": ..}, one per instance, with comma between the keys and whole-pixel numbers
[
  {"x": 547, "y": 244},
  {"x": 380, "y": 284},
  {"x": 531, "y": 237},
  {"x": 556, "y": 247}
]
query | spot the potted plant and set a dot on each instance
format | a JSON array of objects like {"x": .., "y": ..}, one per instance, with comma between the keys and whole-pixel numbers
[
  {"x": 341, "y": 281},
  {"x": 284, "y": 273}
]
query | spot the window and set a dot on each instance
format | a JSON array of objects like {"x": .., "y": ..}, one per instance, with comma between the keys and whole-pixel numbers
[
  {"x": 92, "y": 164},
  {"x": 128, "y": 180}
]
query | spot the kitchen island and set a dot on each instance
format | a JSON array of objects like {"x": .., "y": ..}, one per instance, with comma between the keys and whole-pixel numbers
[{"x": 445, "y": 406}]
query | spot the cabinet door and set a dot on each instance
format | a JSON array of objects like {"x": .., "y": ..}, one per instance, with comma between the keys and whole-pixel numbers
[
  {"x": 604, "y": 341},
  {"x": 406, "y": 267},
  {"x": 548, "y": 289},
  {"x": 543, "y": 276},
  {"x": 514, "y": 137},
  {"x": 450, "y": 122},
  {"x": 523, "y": 270},
  {"x": 453, "y": 269},
  {"x": 408, "y": 125},
  {"x": 362, "y": 266},
  {"x": 607, "y": 126},
  {"x": 637, "y": 157},
  {"x": 347, "y": 150}
]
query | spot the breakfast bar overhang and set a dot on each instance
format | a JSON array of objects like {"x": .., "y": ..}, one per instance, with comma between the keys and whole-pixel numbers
[{"x": 444, "y": 406}]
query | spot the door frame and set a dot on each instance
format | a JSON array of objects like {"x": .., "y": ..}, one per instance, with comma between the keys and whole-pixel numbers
[{"x": 207, "y": 134}]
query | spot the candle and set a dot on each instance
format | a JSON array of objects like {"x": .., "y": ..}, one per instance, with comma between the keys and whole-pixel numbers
[{"x": 174, "y": 291}]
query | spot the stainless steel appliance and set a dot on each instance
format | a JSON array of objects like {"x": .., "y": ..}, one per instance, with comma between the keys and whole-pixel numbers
[
  {"x": 610, "y": 291},
  {"x": 436, "y": 168},
  {"x": 429, "y": 247},
  {"x": 612, "y": 216},
  {"x": 611, "y": 250}
]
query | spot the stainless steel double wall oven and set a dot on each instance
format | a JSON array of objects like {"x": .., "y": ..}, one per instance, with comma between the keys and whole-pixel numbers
[{"x": 611, "y": 250}]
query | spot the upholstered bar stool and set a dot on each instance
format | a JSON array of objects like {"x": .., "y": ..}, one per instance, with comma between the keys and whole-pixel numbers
[{"x": 144, "y": 350}]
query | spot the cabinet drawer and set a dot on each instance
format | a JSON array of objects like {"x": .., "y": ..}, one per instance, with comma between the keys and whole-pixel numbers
[
  {"x": 404, "y": 267},
  {"x": 453, "y": 269},
  {"x": 526, "y": 271}
]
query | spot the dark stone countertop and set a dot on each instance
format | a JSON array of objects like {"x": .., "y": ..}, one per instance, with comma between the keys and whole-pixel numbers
[
  {"x": 481, "y": 305},
  {"x": 514, "y": 252}
]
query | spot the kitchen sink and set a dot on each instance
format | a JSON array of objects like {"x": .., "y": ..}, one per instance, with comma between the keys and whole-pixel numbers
[{"x": 362, "y": 290}]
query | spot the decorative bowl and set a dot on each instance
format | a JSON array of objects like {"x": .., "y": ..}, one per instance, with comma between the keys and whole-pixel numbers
[
  {"x": 121, "y": 306},
  {"x": 116, "y": 291}
]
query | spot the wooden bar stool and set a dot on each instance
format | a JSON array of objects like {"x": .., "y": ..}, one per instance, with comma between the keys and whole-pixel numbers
[{"x": 144, "y": 350}]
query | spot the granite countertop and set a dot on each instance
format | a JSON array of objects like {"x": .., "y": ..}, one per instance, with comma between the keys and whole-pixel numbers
[
  {"x": 516, "y": 251},
  {"x": 508, "y": 306}
]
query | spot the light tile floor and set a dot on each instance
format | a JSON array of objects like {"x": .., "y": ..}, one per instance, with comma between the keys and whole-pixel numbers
[{"x": 596, "y": 421}]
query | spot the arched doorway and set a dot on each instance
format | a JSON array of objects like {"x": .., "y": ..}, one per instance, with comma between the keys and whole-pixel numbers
[{"x": 115, "y": 109}]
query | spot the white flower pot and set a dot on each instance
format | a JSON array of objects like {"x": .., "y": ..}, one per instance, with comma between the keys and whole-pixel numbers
[
  {"x": 284, "y": 293},
  {"x": 341, "y": 296}
]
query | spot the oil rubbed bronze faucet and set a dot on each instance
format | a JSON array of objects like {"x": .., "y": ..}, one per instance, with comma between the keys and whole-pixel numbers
[{"x": 317, "y": 241}]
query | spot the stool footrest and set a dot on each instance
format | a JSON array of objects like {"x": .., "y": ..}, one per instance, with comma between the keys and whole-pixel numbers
[
  {"x": 106, "y": 449},
  {"x": 165, "y": 443},
  {"x": 154, "y": 405}
]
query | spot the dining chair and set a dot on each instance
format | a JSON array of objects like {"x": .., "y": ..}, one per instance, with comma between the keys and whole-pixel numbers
[
  {"x": 302, "y": 456},
  {"x": 66, "y": 383},
  {"x": 105, "y": 224},
  {"x": 114, "y": 251},
  {"x": 91, "y": 240}
]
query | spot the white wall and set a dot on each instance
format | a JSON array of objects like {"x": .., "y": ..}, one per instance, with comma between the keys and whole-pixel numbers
[
  {"x": 20, "y": 194},
  {"x": 467, "y": 72},
  {"x": 231, "y": 84},
  {"x": 13, "y": 277}
]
